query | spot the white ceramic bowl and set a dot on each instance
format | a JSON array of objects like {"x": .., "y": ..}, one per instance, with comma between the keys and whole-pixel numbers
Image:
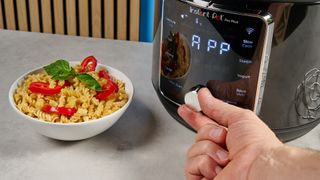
[{"x": 74, "y": 131}]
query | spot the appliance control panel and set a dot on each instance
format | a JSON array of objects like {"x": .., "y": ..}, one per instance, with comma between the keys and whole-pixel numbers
[{"x": 224, "y": 50}]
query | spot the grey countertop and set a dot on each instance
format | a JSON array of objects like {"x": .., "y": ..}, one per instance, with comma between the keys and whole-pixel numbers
[{"x": 146, "y": 143}]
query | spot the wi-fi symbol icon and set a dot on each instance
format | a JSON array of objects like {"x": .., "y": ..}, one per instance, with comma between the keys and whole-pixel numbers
[{"x": 249, "y": 30}]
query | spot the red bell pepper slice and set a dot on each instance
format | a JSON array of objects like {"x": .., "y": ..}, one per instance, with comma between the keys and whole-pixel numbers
[
  {"x": 107, "y": 89},
  {"x": 88, "y": 64},
  {"x": 43, "y": 88},
  {"x": 59, "y": 110},
  {"x": 104, "y": 74}
]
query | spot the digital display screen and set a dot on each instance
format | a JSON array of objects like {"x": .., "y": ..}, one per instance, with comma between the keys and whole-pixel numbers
[{"x": 205, "y": 47}]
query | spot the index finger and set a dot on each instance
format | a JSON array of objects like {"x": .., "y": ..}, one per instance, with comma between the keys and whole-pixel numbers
[{"x": 195, "y": 119}]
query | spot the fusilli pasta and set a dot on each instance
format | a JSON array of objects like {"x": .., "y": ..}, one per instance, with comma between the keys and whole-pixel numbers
[{"x": 76, "y": 95}]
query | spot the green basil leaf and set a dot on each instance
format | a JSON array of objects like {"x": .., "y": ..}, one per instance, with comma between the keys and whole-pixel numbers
[
  {"x": 60, "y": 70},
  {"x": 89, "y": 81}
]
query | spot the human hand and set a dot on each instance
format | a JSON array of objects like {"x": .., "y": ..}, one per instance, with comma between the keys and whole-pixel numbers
[{"x": 228, "y": 139}]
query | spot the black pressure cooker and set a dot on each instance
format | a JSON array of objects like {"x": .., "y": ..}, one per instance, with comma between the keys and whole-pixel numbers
[{"x": 260, "y": 55}]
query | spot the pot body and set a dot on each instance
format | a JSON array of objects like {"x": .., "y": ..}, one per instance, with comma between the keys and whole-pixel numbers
[{"x": 291, "y": 97}]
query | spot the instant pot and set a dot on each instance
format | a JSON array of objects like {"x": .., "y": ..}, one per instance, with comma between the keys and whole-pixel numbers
[{"x": 256, "y": 54}]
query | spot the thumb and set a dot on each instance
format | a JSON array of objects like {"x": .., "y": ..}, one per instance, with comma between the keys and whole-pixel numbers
[{"x": 223, "y": 113}]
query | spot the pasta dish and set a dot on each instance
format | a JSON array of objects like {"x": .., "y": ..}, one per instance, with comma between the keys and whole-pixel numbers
[{"x": 65, "y": 94}]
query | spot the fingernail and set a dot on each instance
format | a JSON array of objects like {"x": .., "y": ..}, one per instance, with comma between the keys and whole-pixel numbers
[
  {"x": 222, "y": 155},
  {"x": 182, "y": 110},
  {"x": 218, "y": 169},
  {"x": 216, "y": 132}
]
